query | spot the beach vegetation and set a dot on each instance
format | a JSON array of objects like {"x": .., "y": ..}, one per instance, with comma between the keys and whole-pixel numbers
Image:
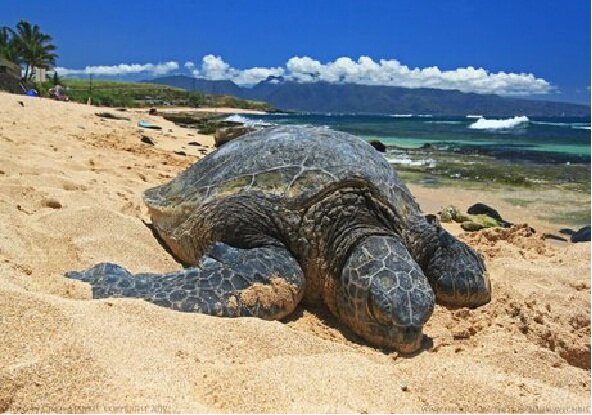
[
  {"x": 8, "y": 45},
  {"x": 143, "y": 94},
  {"x": 27, "y": 45}
]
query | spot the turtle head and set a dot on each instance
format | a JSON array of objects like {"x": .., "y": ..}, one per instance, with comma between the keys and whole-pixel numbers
[
  {"x": 457, "y": 273},
  {"x": 164, "y": 210},
  {"x": 383, "y": 295},
  {"x": 168, "y": 210}
]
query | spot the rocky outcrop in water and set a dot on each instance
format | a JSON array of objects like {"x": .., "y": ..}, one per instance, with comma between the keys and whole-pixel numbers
[
  {"x": 581, "y": 235},
  {"x": 471, "y": 222},
  {"x": 224, "y": 135}
]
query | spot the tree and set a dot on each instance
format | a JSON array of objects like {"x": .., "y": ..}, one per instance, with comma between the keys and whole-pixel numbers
[
  {"x": 56, "y": 79},
  {"x": 35, "y": 48},
  {"x": 9, "y": 48}
]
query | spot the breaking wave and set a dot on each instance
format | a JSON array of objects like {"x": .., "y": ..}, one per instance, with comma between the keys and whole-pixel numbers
[
  {"x": 246, "y": 121},
  {"x": 406, "y": 161},
  {"x": 485, "y": 124}
]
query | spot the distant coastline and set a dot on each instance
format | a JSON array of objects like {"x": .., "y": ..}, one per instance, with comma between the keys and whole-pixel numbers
[{"x": 374, "y": 99}]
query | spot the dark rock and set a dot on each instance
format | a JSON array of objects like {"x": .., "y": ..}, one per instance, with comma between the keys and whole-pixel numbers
[
  {"x": 147, "y": 140},
  {"x": 111, "y": 116},
  {"x": 224, "y": 135},
  {"x": 152, "y": 111},
  {"x": 429, "y": 181},
  {"x": 180, "y": 153},
  {"x": 567, "y": 231},
  {"x": 481, "y": 208},
  {"x": 52, "y": 203},
  {"x": 121, "y": 109},
  {"x": 204, "y": 121},
  {"x": 194, "y": 143},
  {"x": 471, "y": 226},
  {"x": 453, "y": 214},
  {"x": 428, "y": 147},
  {"x": 581, "y": 235},
  {"x": 11, "y": 82},
  {"x": 553, "y": 237},
  {"x": 431, "y": 218},
  {"x": 378, "y": 145}
]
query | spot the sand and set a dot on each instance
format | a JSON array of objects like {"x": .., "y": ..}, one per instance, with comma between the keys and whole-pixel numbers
[{"x": 70, "y": 196}]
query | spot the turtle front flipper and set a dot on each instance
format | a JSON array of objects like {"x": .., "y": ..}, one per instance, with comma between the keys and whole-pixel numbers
[
  {"x": 228, "y": 282},
  {"x": 458, "y": 274}
]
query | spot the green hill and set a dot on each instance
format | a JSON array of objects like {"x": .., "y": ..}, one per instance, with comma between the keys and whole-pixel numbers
[{"x": 140, "y": 94}]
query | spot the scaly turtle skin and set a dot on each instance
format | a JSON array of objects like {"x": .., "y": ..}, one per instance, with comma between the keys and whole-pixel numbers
[{"x": 292, "y": 212}]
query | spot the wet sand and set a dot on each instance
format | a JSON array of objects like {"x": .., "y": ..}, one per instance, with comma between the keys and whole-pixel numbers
[{"x": 71, "y": 195}]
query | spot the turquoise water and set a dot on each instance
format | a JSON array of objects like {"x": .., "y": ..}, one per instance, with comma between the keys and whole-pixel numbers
[{"x": 546, "y": 140}]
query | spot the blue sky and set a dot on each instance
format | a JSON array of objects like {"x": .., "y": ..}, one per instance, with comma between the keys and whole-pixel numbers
[{"x": 549, "y": 39}]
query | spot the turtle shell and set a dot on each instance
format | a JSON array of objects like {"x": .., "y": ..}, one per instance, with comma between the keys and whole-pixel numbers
[{"x": 291, "y": 162}]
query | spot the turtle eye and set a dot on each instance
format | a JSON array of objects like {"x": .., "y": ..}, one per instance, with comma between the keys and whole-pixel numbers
[{"x": 379, "y": 313}]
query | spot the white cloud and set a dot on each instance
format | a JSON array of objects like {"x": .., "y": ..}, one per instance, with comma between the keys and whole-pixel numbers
[
  {"x": 255, "y": 75},
  {"x": 304, "y": 69},
  {"x": 366, "y": 71},
  {"x": 122, "y": 69},
  {"x": 363, "y": 71},
  {"x": 214, "y": 68}
]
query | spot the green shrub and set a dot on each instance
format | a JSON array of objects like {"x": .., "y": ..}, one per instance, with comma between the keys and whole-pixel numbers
[{"x": 139, "y": 94}]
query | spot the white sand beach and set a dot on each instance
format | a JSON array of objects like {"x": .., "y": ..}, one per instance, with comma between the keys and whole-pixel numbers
[{"x": 71, "y": 189}]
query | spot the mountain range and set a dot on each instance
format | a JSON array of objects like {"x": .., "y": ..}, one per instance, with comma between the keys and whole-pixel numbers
[{"x": 353, "y": 98}]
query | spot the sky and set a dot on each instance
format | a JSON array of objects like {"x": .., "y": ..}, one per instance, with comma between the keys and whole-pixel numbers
[{"x": 533, "y": 48}]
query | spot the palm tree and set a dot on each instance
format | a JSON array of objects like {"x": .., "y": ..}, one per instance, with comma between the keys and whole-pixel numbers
[
  {"x": 8, "y": 45},
  {"x": 35, "y": 48}
]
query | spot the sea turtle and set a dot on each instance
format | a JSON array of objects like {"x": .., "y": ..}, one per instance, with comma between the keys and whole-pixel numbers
[{"x": 293, "y": 212}]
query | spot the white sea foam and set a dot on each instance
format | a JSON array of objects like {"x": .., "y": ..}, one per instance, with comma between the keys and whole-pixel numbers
[
  {"x": 560, "y": 124},
  {"x": 577, "y": 125},
  {"x": 246, "y": 121},
  {"x": 404, "y": 160},
  {"x": 485, "y": 124},
  {"x": 474, "y": 116},
  {"x": 443, "y": 122},
  {"x": 402, "y": 115}
]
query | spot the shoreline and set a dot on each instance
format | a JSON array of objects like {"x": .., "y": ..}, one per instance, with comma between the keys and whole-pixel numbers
[
  {"x": 71, "y": 188},
  {"x": 213, "y": 110}
]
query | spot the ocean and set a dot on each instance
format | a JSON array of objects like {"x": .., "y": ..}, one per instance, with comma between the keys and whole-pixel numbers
[{"x": 541, "y": 140}]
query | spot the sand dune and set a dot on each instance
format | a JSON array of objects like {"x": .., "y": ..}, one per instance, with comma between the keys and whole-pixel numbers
[{"x": 70, "y": 196}]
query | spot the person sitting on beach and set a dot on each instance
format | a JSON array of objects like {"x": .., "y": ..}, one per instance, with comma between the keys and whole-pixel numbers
[{"x": 57, "y": 93}]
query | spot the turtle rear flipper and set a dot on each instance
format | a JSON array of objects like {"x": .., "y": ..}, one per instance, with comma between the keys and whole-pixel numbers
[{"x": 229, "y": 282}]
